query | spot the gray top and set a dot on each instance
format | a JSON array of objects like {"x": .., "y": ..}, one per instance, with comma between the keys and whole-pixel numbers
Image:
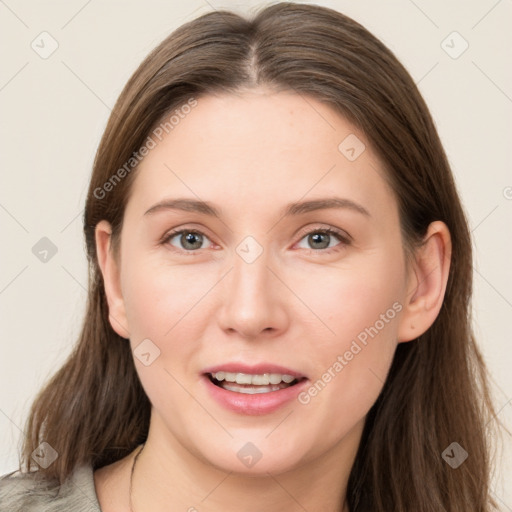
[{"x": 23, "y": 492}]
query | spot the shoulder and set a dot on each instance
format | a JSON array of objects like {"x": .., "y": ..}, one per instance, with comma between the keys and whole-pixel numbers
[{"x": 29, "y": 492}]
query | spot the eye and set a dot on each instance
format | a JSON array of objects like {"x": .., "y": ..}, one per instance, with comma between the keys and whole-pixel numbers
[
  {"x": 190, "y": 240},
  {"x": 320, "y": 240}
]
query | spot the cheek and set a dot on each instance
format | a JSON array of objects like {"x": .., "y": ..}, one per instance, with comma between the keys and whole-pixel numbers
[
  {"x": 361, "y": 307},
  {"x": 160, "y": 299},
  {"x": 166, "y": 304},
  {"x": 163, "y": 305},
  {"x": 351, "y": 298}
]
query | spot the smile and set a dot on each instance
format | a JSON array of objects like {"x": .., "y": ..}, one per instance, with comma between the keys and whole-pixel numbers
[
  {"x": 252, "y": 389},
  {"x": 252, "y": 383}
]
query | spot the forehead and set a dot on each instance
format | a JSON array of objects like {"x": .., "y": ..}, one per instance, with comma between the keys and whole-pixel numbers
[{"x": 259, "y": 148}]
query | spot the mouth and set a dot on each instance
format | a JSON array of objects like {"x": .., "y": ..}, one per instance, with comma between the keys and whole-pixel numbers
[
  {"x": 253, "y": 389},
  {"x": 252, "y": 384}
]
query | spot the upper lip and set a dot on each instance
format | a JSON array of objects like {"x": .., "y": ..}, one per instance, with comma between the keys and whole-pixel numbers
[{"x": 258, "y": 369}]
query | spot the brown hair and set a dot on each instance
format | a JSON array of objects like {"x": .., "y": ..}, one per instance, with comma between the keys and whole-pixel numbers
[{"x": 94, "y": 410}]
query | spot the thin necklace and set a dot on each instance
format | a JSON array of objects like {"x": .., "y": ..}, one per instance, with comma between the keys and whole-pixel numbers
[{"x": 131, "y": 474}]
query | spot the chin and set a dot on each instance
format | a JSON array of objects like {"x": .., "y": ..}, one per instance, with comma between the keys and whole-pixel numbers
[{"x": 251, "y": 458}]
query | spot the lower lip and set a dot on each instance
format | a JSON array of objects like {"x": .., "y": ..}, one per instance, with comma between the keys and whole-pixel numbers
[{"x": 256, "y": 404}]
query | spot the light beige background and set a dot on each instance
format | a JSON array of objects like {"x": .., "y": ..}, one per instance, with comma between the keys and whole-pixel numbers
[{"x": 54, "y": 110}]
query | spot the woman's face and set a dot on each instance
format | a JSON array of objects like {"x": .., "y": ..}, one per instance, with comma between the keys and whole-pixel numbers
[{"x": 259, "y": 288}]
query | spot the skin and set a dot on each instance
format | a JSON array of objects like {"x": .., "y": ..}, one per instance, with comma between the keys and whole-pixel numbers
[{"x": 297, "y": 305}]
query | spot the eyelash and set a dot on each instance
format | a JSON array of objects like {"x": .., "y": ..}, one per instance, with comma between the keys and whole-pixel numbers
[{"x": 327, "y": 231}]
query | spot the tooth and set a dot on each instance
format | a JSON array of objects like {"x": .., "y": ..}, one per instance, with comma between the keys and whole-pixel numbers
[
  {"x": 243, "y": 378},
  {"x": 275, "y": 378},
  {"x": 261, "y": 380},
  {"x": 250, "y": 391},
  {"x": 255, "y": 380}
]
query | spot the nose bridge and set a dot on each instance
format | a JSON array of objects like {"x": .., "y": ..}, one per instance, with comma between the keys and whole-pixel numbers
[
  {"x": 250, "y": 260},
  {"x": 250, "y": 273},
  {"x": 252, "y": 301},
  {"x": 250, "y": 280}
]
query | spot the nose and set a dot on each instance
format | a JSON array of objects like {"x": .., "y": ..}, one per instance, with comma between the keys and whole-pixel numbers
[{"x": 254, "y": 300}]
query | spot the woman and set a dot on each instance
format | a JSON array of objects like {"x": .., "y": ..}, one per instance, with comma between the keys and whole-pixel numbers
[{"x": 278, "y": 310}]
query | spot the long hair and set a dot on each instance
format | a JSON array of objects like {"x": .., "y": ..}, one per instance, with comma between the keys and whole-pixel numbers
[{"x": 94, "y": 410}]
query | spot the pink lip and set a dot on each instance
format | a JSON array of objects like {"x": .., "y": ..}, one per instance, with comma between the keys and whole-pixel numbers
[
  {"x": 258, "y": 369},
  {"x": 259, "y": 403}
]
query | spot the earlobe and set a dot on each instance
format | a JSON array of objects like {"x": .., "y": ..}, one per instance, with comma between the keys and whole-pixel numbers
[
  {"x": 427, "y": 282},
  {"x": 111, "y": 278}
]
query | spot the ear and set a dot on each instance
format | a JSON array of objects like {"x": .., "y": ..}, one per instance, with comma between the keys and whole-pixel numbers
[
  {"x": 426, "y": 283},
  {"x": 111, "y": 278}
]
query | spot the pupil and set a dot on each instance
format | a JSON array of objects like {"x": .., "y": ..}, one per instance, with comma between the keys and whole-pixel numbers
[
  {"x": 315, "y": 237},
  {"x": 190, "y": 239}
]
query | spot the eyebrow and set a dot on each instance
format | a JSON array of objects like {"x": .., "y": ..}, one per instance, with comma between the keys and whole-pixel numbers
[{"x": 298, "y": 208}]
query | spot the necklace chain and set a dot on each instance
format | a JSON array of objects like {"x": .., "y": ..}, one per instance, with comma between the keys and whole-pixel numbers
[{"x": 131, "y": 475}]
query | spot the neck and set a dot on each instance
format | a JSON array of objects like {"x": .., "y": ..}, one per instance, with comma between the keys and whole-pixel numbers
[{"x": 167, "y": 477}]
